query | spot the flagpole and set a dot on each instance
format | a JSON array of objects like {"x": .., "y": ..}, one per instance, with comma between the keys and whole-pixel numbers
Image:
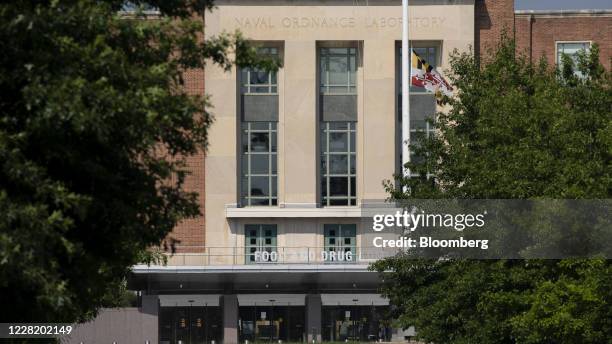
[{"x": 405, "y": 90}]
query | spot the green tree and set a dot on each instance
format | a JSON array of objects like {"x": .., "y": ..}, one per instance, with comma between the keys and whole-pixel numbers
[
  {"x": 521, "y": 131},
  {"x": 95, "y": 126}
]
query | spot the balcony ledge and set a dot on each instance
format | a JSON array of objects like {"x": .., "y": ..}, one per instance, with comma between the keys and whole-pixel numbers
[
  {"x": 292, "y": 212},
  {"x": 231, "y": 211}
]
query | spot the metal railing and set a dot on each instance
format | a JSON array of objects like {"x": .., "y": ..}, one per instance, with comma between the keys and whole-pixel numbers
[{"x": 240, "y": 255}]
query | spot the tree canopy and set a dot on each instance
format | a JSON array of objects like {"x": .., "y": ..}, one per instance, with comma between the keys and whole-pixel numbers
[
  {"x": 95, "y": 126},
  {"x": 515, "y": 130}
]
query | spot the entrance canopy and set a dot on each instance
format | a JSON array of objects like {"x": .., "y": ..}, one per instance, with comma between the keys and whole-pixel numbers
[{"x": 283, "y": 279}]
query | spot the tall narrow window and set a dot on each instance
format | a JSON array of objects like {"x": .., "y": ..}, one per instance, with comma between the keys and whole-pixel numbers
[
  {"x": 422, "y": 102},
  {"x": 259, "y": 163},
  {"x": 259, "y": 114},
  {"x": 338, "y": 163},
  {"x": 338, "y": 110},
  {"x": 338, "y": 70},
  {"x": 260, "y": 81}
]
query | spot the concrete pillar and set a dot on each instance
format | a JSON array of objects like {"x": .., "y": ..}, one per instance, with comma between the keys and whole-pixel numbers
[
  {"x": 313, "y": 317},
  {"x": 230, "y": 319},
  {"x": 298, "y": 132}
]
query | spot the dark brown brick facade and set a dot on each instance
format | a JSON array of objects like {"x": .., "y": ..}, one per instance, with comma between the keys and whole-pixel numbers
[
  {"x": 492, "y": 18},
  {"x": 190, "y": 234},
  {"x": 537, "y": 33}
]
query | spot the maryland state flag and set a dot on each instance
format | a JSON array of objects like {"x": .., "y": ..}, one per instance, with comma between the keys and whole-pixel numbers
[{"x": 422, "y": 74}]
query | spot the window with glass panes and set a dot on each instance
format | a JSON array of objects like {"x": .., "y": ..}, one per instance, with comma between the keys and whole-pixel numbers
[
  {"x": 422, "y": 102},
  {"x": 260, "y": 238},
  {"x": 340, "y": 238},
  {"x": 337, "y": 69},
  {"x": 338, "y": 163},
  {"x": 571, "y": 49},
  {"x": 258, "y": 138},
  {"x": 259, "y": 81},
  {"x": 259, "y": 164},
  {"x": 130, "y": 7},
  {"x": 419, "y": 127}
]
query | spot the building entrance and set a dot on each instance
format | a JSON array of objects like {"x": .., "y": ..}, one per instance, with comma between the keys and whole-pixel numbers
[
  {"x": 266, "y": 324},
  {"x": 355, "y": 324},
  {"x": 190, "y": 325}
]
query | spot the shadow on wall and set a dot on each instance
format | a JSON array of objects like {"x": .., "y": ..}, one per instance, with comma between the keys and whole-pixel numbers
[
  {"x": 482, "y": 22},
  {"x": 120, "y": 325}
]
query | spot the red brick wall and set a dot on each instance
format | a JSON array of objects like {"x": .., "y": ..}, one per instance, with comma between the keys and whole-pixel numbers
[
  {"x": 189, "y": 234},
  {"x": 545, "y": 30},
  {"x": 492, "y": 17},
  {"x": 522, "y": 31}
]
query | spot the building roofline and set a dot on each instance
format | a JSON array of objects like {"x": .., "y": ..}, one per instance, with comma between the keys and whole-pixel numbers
[{"x": 565, "y": 13}]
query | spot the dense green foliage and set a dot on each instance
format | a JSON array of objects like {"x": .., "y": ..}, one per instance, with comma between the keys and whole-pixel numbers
[
  {"x": 94, "y": 128},
  {"x": 521, "y": 131}
]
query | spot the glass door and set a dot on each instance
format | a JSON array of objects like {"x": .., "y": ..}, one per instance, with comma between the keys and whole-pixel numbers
[
  {"x": 190, "y": 325},
  {"x": 197, "y": 330},
  {"x": 260, "y": 244},
  {"x": 345, "y": 323},
  {"x": 271, "y": 324},
  {"x": 340, "y": 324},
  {"x": 182, "y": 326}
]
